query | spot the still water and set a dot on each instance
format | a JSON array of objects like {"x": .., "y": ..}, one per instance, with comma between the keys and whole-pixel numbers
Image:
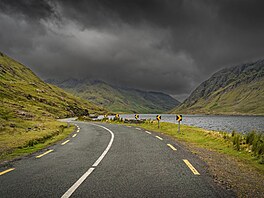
[{"x": 212, "y": 122}]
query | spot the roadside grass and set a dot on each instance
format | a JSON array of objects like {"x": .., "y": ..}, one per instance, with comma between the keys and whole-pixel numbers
[
  {"x": 19, "y": 142},
  {"x": 246, "y": 148}
]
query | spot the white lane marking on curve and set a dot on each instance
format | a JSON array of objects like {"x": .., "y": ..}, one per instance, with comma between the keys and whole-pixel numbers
[
  {"x": 107, "y": 148},
  {"x": 90, "y": 170},
  {"x": 77, "y": 184}
]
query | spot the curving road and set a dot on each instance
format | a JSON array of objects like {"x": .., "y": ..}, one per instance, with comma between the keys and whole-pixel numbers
[{"x": 106, "y": 160}]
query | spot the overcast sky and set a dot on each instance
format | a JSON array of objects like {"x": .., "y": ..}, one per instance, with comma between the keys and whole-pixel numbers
[{"x": 159, "y": 45}]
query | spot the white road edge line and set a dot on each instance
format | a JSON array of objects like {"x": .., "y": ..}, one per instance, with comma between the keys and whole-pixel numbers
[
  {"x": 138, "y": 129},
  {"x": 78, "y": 183},
  {"x": 90, "y": 170},
  {"x": 107, "y": 148}
]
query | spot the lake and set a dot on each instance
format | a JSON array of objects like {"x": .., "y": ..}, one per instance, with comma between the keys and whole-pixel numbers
[{"x": 212, "y": 122}]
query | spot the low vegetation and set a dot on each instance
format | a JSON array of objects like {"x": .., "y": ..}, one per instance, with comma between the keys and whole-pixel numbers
[{"x": 20, "y": 140}]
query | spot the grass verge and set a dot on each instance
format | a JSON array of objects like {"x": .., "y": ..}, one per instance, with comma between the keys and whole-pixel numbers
[
  {"x": 236, "y": 145},
  {"x": 17, "y": 144},
  {"x": 211, "y": 140}
]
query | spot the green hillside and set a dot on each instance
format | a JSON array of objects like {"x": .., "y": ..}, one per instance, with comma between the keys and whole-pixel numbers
[
  {"x": 235, "y": 90},
  {"x": 29, "y": 107},
  {"x": 116, "y": 99}
]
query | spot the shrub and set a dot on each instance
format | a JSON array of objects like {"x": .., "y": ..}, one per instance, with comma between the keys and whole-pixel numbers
[
  {"x": 6, "y": 115},
  {"x": 258, "y": 145},
  {"x": 61, "y": 128},
  {"x": 261, "y": 161},
  {"x": 236, "y": 141},
  {"x": 250, "y": 137}
]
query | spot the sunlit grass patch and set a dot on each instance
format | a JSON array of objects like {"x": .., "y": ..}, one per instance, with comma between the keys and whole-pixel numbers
[{"x": 19, "y": 141}]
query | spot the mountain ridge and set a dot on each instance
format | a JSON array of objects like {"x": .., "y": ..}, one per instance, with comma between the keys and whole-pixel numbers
[
  {"x": 229, "y": 91},
  {"x": 117, "y": 98}
]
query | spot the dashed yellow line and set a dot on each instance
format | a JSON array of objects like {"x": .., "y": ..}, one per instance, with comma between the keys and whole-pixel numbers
[
  {"x": 47, "y": 152},
  {"x": 6, "y": 171},
  {"x": 74, "y": 135},
  {"x": 159, "y": 137},
  {"x": 65, "y": 142},
  {"x": 172, "y": 147},
  {"x": 148, "y": 132},
  {"x": 191, "y": 167}
]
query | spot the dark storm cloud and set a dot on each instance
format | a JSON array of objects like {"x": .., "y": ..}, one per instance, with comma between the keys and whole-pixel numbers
[
  {"x": 163, "y": 45},
  {"x": 32, "y": 9}
]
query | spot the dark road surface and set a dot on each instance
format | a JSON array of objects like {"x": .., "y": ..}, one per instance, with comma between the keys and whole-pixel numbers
[{"x": 110, "y": 161}]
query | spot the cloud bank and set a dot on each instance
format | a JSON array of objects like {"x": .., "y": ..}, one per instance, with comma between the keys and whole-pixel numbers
[{"x": 169, "y": 45}]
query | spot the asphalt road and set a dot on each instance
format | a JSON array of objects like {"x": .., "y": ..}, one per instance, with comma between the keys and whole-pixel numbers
[{"x": 110, "y": 161}]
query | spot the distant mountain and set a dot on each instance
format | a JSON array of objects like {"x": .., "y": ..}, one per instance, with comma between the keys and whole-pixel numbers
[
  {"x": 25, "y": 97},
  {"x": 117, "y": 99},
  {"x": 235, "y": 90}
]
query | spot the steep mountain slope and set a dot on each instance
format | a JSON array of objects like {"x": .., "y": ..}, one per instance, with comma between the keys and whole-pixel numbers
[
  {"x": 118, "y": 99},
  {"x": 22, "y": 90},
  {"x": 236, "y": 90},
  {"x": 29, "y": 108}
]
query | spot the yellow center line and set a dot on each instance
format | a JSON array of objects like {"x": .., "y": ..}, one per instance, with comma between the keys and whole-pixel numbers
[
  {"x": 159, "y": 137},
  {"x": 172, "y": 147},
  {"x": 6, "y": 171},
  {"x": 191, "y": 167},
  {"x": 39, "y": 156},
  {"x": 65, "y": 142},
  {"x": 74, "y": 135}
]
